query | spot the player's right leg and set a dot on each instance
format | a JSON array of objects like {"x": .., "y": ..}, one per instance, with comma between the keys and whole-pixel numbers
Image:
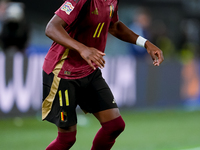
[
  {"x": 65, "y": 139},
  {"x": 60, "y": 110}
]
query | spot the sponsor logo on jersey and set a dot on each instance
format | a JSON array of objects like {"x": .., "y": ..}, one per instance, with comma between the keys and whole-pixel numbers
[
  {"x": 95, "y": 12},
  {"x": 111, "y": 10},
  {"x": 67, "y": 7}
]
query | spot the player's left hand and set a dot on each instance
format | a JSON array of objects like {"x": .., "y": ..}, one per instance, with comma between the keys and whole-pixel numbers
[{"x": 155, "y": 53}]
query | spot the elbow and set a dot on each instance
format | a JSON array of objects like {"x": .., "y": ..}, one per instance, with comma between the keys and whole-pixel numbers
[
  {"x": 113, "y": 32},
  {"x": 48, "y": 30}
]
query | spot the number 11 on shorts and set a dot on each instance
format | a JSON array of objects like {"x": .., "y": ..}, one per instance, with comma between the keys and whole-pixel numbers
[{"x": 66, "y": 98}]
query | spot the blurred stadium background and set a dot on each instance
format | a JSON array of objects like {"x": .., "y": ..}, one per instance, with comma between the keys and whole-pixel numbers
[{"x": 161, "y": 105}]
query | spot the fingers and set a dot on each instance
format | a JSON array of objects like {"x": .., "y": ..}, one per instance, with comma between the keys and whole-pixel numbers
[
  {"x": 101, "y": 53},
  {"x": 91, "y": 65},
  {"x": 91, "y": 62},
  {"x": 153, "y": 56},
  {"x": 156, "y": 63},
  {"x": 155, "y": 53},
  {"x": 160, "y": 57},
  {"x": 99, "y": 60},
  {"x": 157, "y": 58},
  {"x": 95, "y": 57}
]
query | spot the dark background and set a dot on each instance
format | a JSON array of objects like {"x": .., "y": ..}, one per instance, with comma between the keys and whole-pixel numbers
[{"x": 47, "y": 7}]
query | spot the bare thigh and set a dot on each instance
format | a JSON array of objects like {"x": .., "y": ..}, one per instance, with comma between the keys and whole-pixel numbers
[
  {"x": 69, "y": 129},
  {"x": 107, "y": 115},
  {"x": 102, "y": 116}
]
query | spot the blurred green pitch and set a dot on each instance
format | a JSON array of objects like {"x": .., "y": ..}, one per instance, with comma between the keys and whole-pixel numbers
[{"x": 148, "y": 130}]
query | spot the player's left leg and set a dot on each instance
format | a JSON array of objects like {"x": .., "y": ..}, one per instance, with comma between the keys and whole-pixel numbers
[
  {"x": 97, "y": 98},
  {"x": 112, "y": 125}
]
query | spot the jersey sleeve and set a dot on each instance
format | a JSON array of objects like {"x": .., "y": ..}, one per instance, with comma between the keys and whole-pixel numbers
[
  {"x": 70, "y": 10},
  {"x": 115, "y": 17}
]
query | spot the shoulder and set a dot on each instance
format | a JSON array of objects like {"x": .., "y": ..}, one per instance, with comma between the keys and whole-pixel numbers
[
  {"x": 74, "y": 2},
  {"x": 70, "y": 5},
  {"x": 70, "y": 10}
]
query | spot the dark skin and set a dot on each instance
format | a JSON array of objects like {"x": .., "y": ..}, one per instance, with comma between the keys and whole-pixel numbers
[{"x": 55, "y": 30}]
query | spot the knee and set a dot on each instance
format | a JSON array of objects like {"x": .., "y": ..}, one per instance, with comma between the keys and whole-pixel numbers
[
  {"x": 115, "y": 126},
  {"x": 64, "y": 141},
  {"x": 119, "y": 126},
  {"x": 68, "y": 138},
  {"x": 122, "y": 125}
]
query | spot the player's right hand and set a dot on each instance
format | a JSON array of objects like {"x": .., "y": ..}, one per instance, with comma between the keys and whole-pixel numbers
[{"x": 92, "y": 55}]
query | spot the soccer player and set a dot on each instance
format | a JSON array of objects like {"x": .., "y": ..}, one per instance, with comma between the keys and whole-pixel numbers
[{"x": 72, "y": 76}]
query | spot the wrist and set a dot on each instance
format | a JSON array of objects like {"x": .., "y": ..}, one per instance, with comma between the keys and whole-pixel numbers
[
  {"x": 79, "y": 47},
  {"x": 141, "y": 41}
]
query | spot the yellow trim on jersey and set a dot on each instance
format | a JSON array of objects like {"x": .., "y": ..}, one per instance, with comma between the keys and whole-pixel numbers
[
  {"x": 61, "y": 62},
  {"x": 111, "y": 9}
]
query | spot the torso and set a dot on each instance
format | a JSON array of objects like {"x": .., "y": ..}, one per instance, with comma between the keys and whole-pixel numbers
[{"x": 91, "y": 31}]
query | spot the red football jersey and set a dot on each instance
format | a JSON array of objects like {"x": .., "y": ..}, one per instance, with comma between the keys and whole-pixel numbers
[{"x": 92, "y": 31}]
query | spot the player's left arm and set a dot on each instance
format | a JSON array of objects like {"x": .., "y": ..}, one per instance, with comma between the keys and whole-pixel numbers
[{"x": 122, "y": 32}]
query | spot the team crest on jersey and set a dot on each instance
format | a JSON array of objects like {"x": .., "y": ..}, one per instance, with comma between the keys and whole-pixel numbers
[
  {"x": 112, "y": 8},
  {"x": 67, "y": 7}
]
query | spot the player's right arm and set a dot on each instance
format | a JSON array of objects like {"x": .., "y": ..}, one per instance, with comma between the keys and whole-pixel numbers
[{"x": 55, "y": 30}]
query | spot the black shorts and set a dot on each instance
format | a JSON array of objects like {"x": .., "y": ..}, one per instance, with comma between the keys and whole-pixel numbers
[{"x": 61, "y": 97}]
